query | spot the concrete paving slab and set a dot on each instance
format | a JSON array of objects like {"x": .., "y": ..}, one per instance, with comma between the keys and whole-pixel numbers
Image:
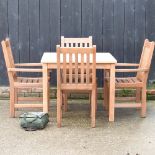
[{"x": 128, "y": 135}]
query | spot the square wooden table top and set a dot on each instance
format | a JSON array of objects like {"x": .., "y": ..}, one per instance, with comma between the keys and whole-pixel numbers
[{"x": 104, "y": 58}]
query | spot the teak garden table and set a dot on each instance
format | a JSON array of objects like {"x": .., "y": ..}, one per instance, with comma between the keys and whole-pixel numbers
[{"x": 103, "y": 61}]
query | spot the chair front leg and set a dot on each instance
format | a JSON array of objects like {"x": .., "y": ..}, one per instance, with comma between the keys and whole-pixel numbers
[
  {"x": 12, "y": 101},
  {"x": 106, "y": 90},
  {"x": 16, "y": 97},
  {"x": 143, "y": 108},
  {"x": 59, "y": 108},
  {"x": 138, "y": 94},
  {"x": 65, "y": 103},
  {"x": 93, "y": 107}
]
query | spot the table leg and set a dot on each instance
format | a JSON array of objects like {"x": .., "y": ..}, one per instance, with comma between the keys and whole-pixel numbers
[
  {"x": 112, "y": 93},
  {"x": 106, "y": 93},
  {"x": 45, "y": 88}
]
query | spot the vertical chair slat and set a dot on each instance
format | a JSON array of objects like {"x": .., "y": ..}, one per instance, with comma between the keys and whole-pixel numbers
[
  {"x": 76, "y": 67},
  {"x": 64, "y": 67},
  {"x": 67, "y": 44},
  {"x": 70, "y": 67},
  {"x": 87, "y": 67},
  {"x": 93, "y": 75},
  {"x": 58, "y": 63},
  {"x": 82, "y": 67}
]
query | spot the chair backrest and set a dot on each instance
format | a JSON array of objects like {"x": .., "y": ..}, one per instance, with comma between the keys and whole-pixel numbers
[
  {"x": 76, "y": 65},
  {"x": 6, "y": 48},
  {"x": 76, "y": 42},
  {"x": 145, "y": 61}
]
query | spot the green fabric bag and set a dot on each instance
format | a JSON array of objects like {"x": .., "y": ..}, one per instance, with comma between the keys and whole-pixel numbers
[{"x": 31, "y": 121}]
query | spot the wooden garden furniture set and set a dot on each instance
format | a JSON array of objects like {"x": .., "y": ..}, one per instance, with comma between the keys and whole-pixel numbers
[{"x": 76, "y": 62}]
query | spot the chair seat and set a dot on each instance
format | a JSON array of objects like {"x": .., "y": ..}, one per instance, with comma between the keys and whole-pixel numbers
[
  {"x": 79, "y": 87},
  {"x": 128, "y": 82},
  {"x": 28, "y": 82}
]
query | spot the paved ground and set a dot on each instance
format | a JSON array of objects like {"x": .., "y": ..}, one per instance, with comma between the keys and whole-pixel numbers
[{"x": 128, "y": 135}]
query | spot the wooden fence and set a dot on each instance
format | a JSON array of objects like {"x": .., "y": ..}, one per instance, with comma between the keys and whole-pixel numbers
[{"x": 35, "y": 26}]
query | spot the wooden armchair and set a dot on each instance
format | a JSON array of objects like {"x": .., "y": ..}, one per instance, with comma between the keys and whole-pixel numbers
[
  {"x": 74, "y": 42},
  {"x": 137, "y": 82},
  {"x": 76, "y": 72},
  {"x": 18, "y": 83}
]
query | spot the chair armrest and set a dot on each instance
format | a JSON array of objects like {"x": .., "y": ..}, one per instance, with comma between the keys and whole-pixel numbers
[
  {"x": 24, "y": 70},
  {"x": 127, "y": 64},
  {"x": 28, "y": 64},
  {"x": 132, "y": 70}
]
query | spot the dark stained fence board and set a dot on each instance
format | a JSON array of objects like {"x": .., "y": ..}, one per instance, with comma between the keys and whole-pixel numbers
[
  {"x": 71, "y": 18},
  {"x": 54, "y": 31},
  {"x": 3, "y": 34},
  {"x": 44, "y": 26},
  {"x": 108, "y": 26},
  {"x": 76, "y": 18},
  {"x": 117, "y": 26},
  {"x": 119, "y": 30},
  {"x": 97, "y": 32},
  {"x": 87, "y": 18},
  {"x": 13, "y": 27},
  {"x": 97, "y": 24},
  {"x": 150, "y": 30},
  {"x": 54, "y": 24},
  {"x": 139, "y": 28},
  {"x": 129, "y": 34},
  {"x": 24, "y": 31},
  {"x": 66, "y": 18},
  {"x": 35, "y": 54},
  {"x": 129, "y": 31}
]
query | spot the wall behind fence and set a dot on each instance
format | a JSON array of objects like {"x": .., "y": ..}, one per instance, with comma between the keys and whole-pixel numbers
[{"x": 35, "y": 26}]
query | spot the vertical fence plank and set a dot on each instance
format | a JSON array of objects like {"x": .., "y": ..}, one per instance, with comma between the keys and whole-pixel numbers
[
  {"x": 54, "y": 24},
  {"x": 66, "y": 18},
  {"x": 150, "y": 31},
  {"x": 108, "y": 26},
  {"x": 117, "y": 26},
  {"x": 23, "y": 31},
  {"x": 44, "y": 26},
  {"x": 13, "y": 27},
  {"x": 119, "y": 29},
  {"x": 129, "y": 32},
  {"x": 54, "y": 30},
  {"x": 76, "y": 18},
  {"x": 71, "y": 18},
  {"x": 3, "y": 35},
  {"x": 139, "y": 27},
  {"x": 97, "y": 32},
  {"x": 97, "y": 24},
  {"x": 87, "y": 18},
  {"x": 35, "y": 54}
]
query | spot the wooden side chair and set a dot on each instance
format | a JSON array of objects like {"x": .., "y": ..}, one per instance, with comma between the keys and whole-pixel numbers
[
  {"x": 18, "y": 83},
  {"x": 75, "y": 42},
  {"x": 76, "y": 72},
  {"x": 137, "y": 82}
]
